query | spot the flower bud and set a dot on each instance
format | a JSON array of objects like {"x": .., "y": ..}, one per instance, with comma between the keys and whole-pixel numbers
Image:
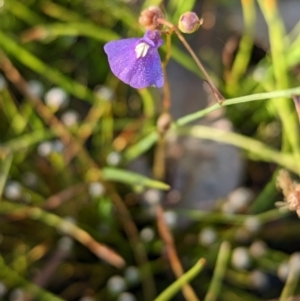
[
  {"x": 189, "y": 22},
  {"x": 149, "y": 18}
]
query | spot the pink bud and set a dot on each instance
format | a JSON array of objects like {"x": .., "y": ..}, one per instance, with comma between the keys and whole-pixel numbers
[
  {"x": 189, "y": 22},
  {"x": 149, "y": 18}
]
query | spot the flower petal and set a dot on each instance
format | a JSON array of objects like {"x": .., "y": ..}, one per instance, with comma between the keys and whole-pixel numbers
[{"x": 139, "y": 71}]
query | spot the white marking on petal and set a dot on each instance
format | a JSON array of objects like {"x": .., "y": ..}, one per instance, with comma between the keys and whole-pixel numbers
[{"x": 141, "y": 50}]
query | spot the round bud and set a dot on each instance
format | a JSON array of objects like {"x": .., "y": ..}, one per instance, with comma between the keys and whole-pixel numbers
[
  {"x": 189, "y": 22},
  {"x": 149, "y": 18}
]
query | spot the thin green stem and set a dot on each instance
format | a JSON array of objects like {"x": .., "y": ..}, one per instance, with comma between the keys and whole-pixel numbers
[
  {"x": 254, "y": 147},
  {"x": 175, "y": 287},
  {"x": 242, "y": 99},
  {"x": 216, "y": 282},
  {"x": 6, "y": 158},
  {"x": 147, "y": 142},
  {"x": 219, "y": 217},
  {"x": 292, "y": 280},
  {"x": 219, "y": 97}
]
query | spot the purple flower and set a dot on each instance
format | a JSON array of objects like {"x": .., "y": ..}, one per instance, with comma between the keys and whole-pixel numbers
[{"x": 136, "y": 61}]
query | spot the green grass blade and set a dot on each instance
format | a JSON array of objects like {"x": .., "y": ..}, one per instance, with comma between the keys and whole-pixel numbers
[
  {"x": 219, "y": 272},
  {"x": 284, "y": 107},
  {"x": 71, "y": 29},
  {"x": 131, "y": 178},
  {"x": 27, "y": 140},
  {"x": 5, "y": 165},
  {"x": 256, "y": 148},
  {"x": 175, "y": 287}
]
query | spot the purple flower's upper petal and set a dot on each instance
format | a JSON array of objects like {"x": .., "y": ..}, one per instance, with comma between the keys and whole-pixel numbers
[
  {"x": 153, "y": 38},
  {"x": 136, "y": 61}
]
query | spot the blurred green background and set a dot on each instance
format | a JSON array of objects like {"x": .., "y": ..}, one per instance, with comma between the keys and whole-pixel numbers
[{"x": 82, "y": 166}]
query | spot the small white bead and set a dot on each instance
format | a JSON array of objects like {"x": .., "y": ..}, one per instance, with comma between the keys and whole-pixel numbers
[
  {"x": 113, "y": 159},
  {"x": 132, "y": 274},
  {"x": 171, "y": 219},
  {"x": 44, "y": 149},
  {"x": 96, "y": 189},
  {"x": 147, "y": 234},
  {"x": 258, "y": 248},
  {"x": 207, "y": 236},
  {"x": 240, "y": 258},
  {"x": 126, "y": 297},
  {"x": 240, "y": 198},
  {"x": 259, "y": 74},
  {"x": 56, "y": 98},
  {"x": 104, "y": 93},
  {"x": 116, "y": 285},
  {"x": 70, "y": 118},
  {"x": 252, "y": 224},
  {"x": 35, "y": 88},
  {"x": 13, "y": 190},
  {"x": 152, "y": 197}
]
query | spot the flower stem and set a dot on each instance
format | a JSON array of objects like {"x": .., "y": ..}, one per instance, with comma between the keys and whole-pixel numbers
[
  {"x": 167, "y": 94},
  {"x": 214, "y": 89}
]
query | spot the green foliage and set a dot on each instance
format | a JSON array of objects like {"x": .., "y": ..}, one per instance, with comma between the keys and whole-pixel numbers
[{"x": 71, "y": 212}]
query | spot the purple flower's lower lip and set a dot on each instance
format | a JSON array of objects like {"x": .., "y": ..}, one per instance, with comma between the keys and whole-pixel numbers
[{"x": 136, "y": 62}]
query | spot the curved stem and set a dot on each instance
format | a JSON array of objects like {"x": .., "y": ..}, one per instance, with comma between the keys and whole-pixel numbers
[
  {"x": 169, "y": 292},
  {"x": 214, "y": 89}
]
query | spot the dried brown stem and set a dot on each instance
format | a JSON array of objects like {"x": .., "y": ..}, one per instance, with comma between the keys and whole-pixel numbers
[
  {"x": 59, "y": 198},
  {"x": 139, "y": 250},
  {"x": 167, "y": 93},
  {"x": 176, "y": 266}
]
